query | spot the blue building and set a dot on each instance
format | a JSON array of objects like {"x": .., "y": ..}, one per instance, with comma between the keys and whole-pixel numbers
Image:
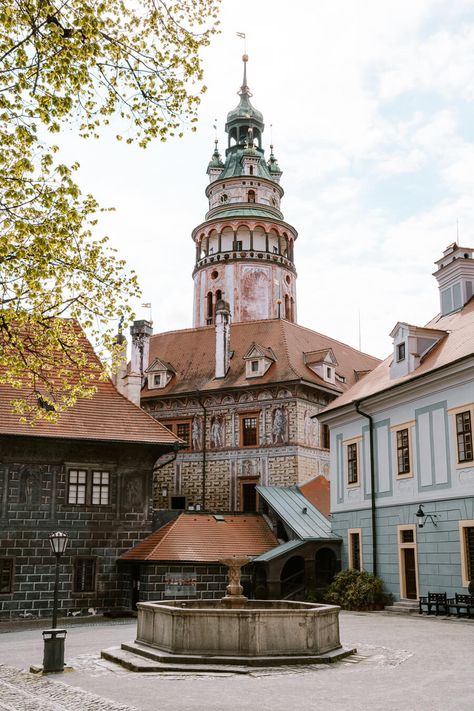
[{"x": 402, "y": 466}]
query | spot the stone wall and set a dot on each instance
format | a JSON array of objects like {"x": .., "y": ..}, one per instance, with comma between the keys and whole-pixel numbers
[
  {"x": 210, "y": 580},
  {"x": 34, "y": 504}
]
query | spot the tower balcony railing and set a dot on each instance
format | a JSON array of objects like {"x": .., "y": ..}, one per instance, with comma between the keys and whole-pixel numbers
[{"x": 234, "y": 255}]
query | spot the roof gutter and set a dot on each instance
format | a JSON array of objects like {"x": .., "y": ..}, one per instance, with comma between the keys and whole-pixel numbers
[{"x": 372, "y": 484}]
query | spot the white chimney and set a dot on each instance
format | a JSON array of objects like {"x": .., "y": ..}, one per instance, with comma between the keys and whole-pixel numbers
[
  {"x": 455, "y": 277},
  {"x": 133, "y": 382},
  {"x": 222, "y": 338}
]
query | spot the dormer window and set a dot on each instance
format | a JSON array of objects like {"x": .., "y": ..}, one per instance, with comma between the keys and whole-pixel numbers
[
  {"x": 323, "y": 363},
  {"x": 258, "y": 360},
  {"x": 159, "y": 374},
  {"x": 410, "y": 345},
  {"x": 400, "y": 352}
]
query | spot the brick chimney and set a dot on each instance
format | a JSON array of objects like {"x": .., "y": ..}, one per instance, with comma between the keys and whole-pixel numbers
[{"x": 222, "y": 338}]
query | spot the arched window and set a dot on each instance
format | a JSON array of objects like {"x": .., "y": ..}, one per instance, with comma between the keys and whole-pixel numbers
[
  {"x": 292, "y": 310},
  {"x": 251, "y": 169},
  {"x": 287, "y": 307},
  {"x": 251, "y": 195},
  {"x": 209, "y": 308},
  {"x": 218, "y": 295}
]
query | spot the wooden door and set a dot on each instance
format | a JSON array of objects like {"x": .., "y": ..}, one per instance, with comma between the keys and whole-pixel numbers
[{"x": 410, "y": 573}]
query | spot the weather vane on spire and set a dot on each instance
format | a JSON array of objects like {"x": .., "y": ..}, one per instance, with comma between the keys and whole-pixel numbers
[{"x": 244, "y": 37}]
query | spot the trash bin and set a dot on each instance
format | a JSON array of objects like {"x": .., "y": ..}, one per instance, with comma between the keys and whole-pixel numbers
[{"x": 53, "y": 654}]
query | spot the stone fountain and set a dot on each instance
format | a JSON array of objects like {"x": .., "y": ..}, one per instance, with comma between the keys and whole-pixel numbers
[{"x": 233, "y": 631}]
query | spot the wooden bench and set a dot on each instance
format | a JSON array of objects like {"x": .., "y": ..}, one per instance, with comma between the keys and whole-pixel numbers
[
  {"x": 462, "y": 602},
  {"x": 438, "y": 601}
]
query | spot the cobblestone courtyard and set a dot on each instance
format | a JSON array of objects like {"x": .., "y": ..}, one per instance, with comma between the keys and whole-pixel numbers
[{"x": 402, "y": 663}]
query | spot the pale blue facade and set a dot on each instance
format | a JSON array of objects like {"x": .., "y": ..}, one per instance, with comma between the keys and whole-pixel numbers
[{"x": 418, "y": 405}]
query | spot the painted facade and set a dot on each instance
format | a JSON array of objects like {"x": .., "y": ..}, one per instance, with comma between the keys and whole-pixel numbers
[
  {"x": 240, "y": 387},
  {"x": 419, "y": 404}
]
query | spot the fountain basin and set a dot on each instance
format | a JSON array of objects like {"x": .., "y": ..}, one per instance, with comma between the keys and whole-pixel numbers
[{"x": 258, "y": 628}]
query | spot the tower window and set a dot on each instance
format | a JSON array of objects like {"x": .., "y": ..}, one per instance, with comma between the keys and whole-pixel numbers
[
  {"x": 251, "y": 170},
  {"x": 209, "y": 307},
  {"x": 251, "y": 196}
]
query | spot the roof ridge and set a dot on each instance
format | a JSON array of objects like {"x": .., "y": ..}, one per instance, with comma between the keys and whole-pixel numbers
[
  {"x": 298, "y": 375},
  {"x": 173, "y": 524},
  {"x": 330, "y": 338}
]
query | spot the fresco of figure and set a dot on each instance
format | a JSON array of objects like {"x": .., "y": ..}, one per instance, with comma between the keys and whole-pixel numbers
[
  {"x": 310, "y": 429},
  {"x": 197, "y": 432},
  {"x": 279, "y": 425},
  {"x": 217, "y": 432}
]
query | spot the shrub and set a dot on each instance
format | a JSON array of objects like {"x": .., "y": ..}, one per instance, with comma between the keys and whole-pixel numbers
[{"x": 357, "y": 590}]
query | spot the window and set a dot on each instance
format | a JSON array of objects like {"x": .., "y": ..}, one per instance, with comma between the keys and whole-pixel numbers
[
  {"x": 157, "y": 379},
  {"x": 352, "y": 469},
  {"x": 464, "y": 436},
  {"x": 248, "y": 498},
  {"x": 77, "y": 486},
  {"x": 237, "y": 245},
  {"x": 178, "y": 502},
  {"x": 254, "y": 366},
  {"x": 251, "y": 196},
  {"x": 6, "y": 576},
  {"x": 355, "y": 548},
  {"x": 325, "y": 437},
  {"x": 249, "y": 430},
  {"x": 84, "y": 574},
  {"x": 88, "y": 487},
  {"x": 182, "y": 429},
  {"x": 403, "y": 452},
  {"x": 100, "y": 487},
  {"x": 400, "y": 352},
  {"x": 328, "y": 373},
  {"x": 466, "y": 535}
]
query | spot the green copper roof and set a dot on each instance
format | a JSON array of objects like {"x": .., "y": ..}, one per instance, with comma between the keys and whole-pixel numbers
[
  {"x": 233, "y": 164},
  {"x": 245, "y": 111},
  {"x": 246, "y": 212}
]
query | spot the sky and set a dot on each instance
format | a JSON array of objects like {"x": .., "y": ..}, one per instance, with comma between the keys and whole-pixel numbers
[{"x": 372, "y": 114}]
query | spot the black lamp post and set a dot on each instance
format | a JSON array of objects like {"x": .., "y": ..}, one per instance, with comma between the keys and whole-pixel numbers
[
  {"x": 58, "y": 542},
  {"x": 53, "y": 657}
]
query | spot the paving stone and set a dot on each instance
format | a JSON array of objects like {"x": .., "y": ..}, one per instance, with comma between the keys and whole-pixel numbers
[{"x": 21, "y": 691}]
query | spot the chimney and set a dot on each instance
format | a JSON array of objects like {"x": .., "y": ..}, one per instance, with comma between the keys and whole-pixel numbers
[
  {"x": 119, "y": 374},
  {"x": 222, "y": 338},
  {"x": 455, "y": 277},
  {"x": 140, "y": 332}
]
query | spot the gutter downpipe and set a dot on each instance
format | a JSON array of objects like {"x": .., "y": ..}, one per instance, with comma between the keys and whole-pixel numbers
[
  {"x": 204, "y": 452},
  {"x": 372, "y": 485}
]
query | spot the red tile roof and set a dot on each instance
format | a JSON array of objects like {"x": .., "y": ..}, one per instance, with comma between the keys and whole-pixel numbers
[
  {"x": 317, "y": 491},
  {"x": 191, "y": 352},
  {"x": 457, "y": 344},
  {"x": 107, "y": 415},
  {"x": 201, "y": 538}
]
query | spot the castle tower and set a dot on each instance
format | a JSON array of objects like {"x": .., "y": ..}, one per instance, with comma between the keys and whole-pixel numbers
[{"x": 244, "y": 248}]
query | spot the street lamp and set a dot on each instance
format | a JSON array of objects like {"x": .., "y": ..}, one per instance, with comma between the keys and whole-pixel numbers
[{"x": 53, "y": 657}]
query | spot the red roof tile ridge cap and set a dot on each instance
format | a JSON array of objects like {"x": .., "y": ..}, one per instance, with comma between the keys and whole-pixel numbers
[
  {"x": 330, "y": 338},
  {"x": 171, "y": 525},
  {"x": 298, "y": 375},
  {"x": 191, "y": 329}
]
